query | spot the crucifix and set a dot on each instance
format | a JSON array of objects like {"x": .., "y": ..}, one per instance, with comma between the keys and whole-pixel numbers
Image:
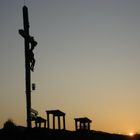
[{"x": 30, "y": 44}]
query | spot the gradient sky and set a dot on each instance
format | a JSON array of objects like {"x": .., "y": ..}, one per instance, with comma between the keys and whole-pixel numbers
[{"x": 87, "y": 61}]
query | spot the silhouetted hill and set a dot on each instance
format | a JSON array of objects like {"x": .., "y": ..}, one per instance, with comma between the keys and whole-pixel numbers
[{"x": 23, "y": 133}]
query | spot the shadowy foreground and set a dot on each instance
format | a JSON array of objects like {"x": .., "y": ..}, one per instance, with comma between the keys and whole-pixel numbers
[{"x": 22, "y": 133}]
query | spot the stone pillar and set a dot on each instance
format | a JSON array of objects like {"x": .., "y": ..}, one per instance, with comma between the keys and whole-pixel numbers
[
  {"x": 48, "y": 121},
  {"x": 80, "y": 125},
  {"x": 64, "y": 125},
  {"x": 88, "y": 126},
  {"x": 53, "y": 122},
  {"x": 59, "y": 124},
  {"x": 45, "y": 124},
  {"x": 76, "y": 127},
  {"x": 39, "y": 124}
]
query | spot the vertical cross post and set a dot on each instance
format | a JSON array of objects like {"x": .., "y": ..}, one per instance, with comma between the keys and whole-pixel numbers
[
  {"x": 30, "y": 44},
  {"x": 27, "y": 65}
]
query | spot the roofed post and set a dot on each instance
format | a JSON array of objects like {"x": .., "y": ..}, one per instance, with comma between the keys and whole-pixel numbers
[
  {"x": 82, "y": 123},
  {"x": 58, "y": 114},
  {"x": 64, "y": 124}
]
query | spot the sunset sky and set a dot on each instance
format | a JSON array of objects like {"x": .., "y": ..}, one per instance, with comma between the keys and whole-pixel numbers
[{"x": 87, "y": 61}]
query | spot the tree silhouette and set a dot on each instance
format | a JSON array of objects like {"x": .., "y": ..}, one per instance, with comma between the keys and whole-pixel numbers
[{"x": 9, "y": 124}]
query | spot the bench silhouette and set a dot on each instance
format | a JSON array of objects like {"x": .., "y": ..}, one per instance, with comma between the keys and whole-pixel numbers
[{"x": 37, "y": 119}]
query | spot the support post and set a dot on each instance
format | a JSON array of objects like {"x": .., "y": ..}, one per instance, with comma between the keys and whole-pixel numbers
[
  {"x": 48, "y": 121},
  {"x": 64, "y": 125},
  {"x": 59, "y": 124},
  {"x": 76, "y": 125},
  {"x": 53, "y": 122}
]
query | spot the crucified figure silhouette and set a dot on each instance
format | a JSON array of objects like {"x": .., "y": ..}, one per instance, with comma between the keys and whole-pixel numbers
[{"x": 32, "y": 44}]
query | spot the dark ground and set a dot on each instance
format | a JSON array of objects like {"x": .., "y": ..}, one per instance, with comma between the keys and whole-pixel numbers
[{"x": 22, "y": 133}]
